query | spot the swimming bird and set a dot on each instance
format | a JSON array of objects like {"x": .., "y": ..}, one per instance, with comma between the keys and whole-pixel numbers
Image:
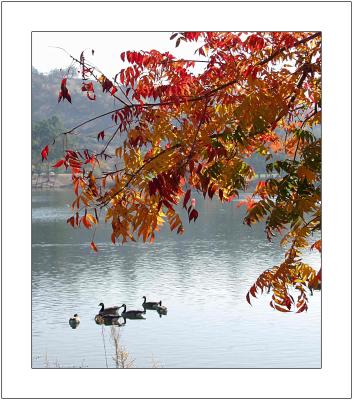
[
  {"x": 149, "y": 304},
  {"x": 132, "y": 314},
  {"x": 109, "y": 310},
  {"x": 161, "y": 309},
  {"x": 74, "y": 321},
  {"x": 109, "y": 319}
]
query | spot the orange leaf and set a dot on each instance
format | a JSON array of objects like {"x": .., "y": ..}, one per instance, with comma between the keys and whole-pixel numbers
[
  {"x": 304, "y": 172},
  {"x": 85, "y": 222},
  {"x": 317, "y": 245}
]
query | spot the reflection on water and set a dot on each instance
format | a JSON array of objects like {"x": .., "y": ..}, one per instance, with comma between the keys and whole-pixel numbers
[{"x": 202, "y": 277}]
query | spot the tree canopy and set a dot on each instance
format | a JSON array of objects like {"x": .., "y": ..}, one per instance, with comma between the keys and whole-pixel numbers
[{"x": 175, "y": 131}]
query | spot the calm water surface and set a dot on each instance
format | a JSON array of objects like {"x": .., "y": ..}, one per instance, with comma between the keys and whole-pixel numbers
[{"x": 202, "y": 277}]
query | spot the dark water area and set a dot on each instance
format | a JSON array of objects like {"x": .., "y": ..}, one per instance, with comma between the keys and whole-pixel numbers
[{"x": 202, "y": 277}]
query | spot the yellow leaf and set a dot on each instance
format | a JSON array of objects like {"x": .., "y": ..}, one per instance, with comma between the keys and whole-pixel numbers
[{"x": 91, "y": 218}]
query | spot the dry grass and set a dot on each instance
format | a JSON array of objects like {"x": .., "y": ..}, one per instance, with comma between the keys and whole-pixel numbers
[{"x": 122, "y": 357}]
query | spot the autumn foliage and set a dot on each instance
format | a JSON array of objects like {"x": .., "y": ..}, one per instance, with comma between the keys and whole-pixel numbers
[{"x": 177, "y": 132}]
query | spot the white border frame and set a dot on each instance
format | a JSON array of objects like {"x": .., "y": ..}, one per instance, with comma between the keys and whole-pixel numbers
[{"x": 18, "y": 379}]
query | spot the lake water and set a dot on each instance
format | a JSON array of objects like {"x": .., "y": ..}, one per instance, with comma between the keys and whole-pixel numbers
[{"x": 202, "y": 277}]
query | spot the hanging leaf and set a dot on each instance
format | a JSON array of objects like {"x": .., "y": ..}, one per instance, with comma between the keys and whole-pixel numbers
[
  {"x": 71, "y": 221},
  {"x": 44, "y": 153},
  {"x": 58, "y": 164},
  {"x": 193, "y": 215},
  {"x": 94, "y": 247},
  {"x": 187, "y": 197}
]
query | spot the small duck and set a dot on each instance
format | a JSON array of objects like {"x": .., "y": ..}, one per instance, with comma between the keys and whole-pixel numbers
[
  {"x": 132, "y": 314},
  {"x": 109, "y": 310},
  {"x": 161, "y": 309},
  {"x": 151, "y": 305},
  {"x": 74, "y": 321}
]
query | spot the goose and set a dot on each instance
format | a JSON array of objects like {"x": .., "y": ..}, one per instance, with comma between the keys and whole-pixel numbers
[
  {"x": 109, "y": 310},
  {"x": 109, "y": 319},
  {"x": 74, "y": 321},
  {"x": 161, "y": 309},
  {"x": 132, "y": 314},
  {"x": 149, "y": 304}
]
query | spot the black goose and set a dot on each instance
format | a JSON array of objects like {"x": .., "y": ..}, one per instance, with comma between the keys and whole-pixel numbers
[
  {"x": 161, "y": 309},
  {"x": 132, "y": 314},
  {"x": 149, "y": 304},
  {"x": 109, "y": 310}
]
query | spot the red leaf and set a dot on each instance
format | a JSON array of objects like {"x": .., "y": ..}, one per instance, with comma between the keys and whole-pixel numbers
[
  {"x": 193, "y": 215},
  {"x": 114, "y": 89},
  {"x": 248, "y": 298},
  {"x": 304, "y": 307},
  {"x": 113, "y": 238},
  {"x": 87, "y": 87},
  {"x": 280, "y": 308},
  {"x": 68, "y": 97},
  {"x": 58, "y": 164},
  {"x": 220, "y": 194},
  {"x": 211, "y": 190},
  {"x": 253, "y": 290},
  {"x": 71, "y": 221},
  {"x": 180, "y": 230},
  {"x": 91, "y": 97},
  {"x": 64, "y": 93},
  {"x": 100, "y": 135},
  {"x": 122, "y": 56},
  {"x": 76, "y": 186},
  {"x": 94, "y": 247},
  {"x": 187, "y": 197},
  {"x": 44, "y": 153}
]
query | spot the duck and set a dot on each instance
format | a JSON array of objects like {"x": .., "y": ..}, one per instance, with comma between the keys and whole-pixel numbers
[
  {"x": 161, "y": 309},
  {"x": 132, "y": 314},
  {"x": 152, "y": 305},
  {"x": 109, "y": 310},
  {"x": 74, "y": 321}
]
